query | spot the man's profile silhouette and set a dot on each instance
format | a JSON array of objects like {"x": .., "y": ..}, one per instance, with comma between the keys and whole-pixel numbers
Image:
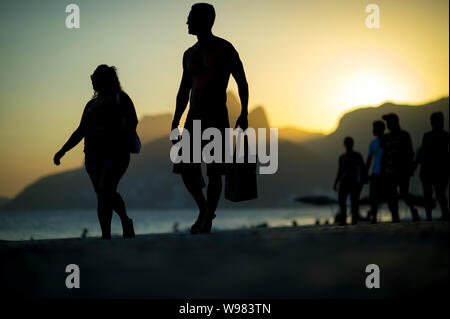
[{"x": 207, "y": 67}]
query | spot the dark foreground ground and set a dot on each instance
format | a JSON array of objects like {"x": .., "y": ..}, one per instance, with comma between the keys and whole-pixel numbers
[{"x": 303, "y": 262}]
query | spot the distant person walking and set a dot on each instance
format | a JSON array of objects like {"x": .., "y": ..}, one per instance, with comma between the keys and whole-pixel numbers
[
  {"x": 107, "y": 125},
  {"x": 376, "y": 177},
  {"x": 207, "y": 67},
  {"x": 398, "y": 165},
  {"x": 349, "y": 180},
  {"x": 433, "y": 158}
]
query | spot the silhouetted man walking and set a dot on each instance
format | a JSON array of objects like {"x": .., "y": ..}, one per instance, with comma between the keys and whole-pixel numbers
[
  {"x": 398, "y": 165},
  {"x": 207, "y": 67},
  {"x": 376, "y": 178},
  {"x": 350, "y": 177},
  {"x": 433, "y": 158}
]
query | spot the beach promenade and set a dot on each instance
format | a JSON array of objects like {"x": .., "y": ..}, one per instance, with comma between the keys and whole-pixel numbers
[{"x": 292, "y": 262}]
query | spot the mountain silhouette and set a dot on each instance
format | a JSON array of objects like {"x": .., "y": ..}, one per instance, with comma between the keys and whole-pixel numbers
[
  {"x": 3, "y": 201},
  {"x": 297, "y": 135},
  {"x": 304, "y": 167},
  {"x": 152, "y": 127}
]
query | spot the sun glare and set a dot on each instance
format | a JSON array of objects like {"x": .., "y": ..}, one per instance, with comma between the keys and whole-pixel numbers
[{"x": 368, "y": 88}]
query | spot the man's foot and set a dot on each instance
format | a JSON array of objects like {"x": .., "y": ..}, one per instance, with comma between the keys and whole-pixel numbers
[
  {"x": 207, "y": 225},
  {"x": 415, "y": 215},
  {"x": 128, "y": 229},
  {"x": 195, "y": 228}
]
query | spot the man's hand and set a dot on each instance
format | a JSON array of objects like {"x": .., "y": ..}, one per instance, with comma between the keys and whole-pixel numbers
[
  {"x": 58, "y": 156},
  {"x": 174, "y": 126},
  {"x": 242, "y": 122}
]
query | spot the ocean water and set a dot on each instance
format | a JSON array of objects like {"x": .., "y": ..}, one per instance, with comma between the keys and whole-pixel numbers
[{"x": 24, "y": 225}]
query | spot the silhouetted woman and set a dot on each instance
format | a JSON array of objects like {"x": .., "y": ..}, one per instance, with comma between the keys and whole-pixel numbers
[{"x": 107, "y": 125}]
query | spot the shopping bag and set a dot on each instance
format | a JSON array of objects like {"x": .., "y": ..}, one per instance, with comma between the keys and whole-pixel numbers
[{"x": 240, "y": 179}]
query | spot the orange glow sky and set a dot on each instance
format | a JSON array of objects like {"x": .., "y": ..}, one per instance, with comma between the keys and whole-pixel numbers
[{"x": 307, "y": 62}]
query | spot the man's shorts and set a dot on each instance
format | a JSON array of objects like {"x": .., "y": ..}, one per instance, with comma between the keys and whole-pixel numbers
[{"x": 192, "y": 168}]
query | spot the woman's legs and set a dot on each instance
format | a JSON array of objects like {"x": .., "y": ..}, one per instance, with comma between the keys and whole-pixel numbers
[
  {"x": 105, "y": 180},
  {"x": 119, "y": 207},
  {"x": 96, "y": 176}
]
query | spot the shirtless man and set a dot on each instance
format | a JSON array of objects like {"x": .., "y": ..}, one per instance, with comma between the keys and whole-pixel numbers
[{"x": 207, "y": 67}]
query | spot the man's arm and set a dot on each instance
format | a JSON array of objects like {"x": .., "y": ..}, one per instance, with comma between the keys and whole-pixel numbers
[
  {"x": 369, "y": 158},
  {"x": 368, "y": 163},
  {"x": 239, "y": 76},
  {"x": 409, "y": 146},
  {"x": 183, "y": 95},
  {"x": 338, "y": 176},
  {"x": 410, "y": 152},
  {"x": 364, "y": 170}
]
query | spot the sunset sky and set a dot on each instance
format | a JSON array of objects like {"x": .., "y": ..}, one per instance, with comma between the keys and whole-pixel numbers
[{"x": 307, "y": 62}]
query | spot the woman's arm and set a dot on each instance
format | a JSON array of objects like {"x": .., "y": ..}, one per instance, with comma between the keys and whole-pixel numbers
[{"x": 73, "y": 140}]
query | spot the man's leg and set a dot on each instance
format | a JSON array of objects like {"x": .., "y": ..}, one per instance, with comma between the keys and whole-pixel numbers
[
  {"x": 342, "y": 198},
  {"x": 374, "y": 197},
  {"x": 194, "y": 185},
  {"x": 354, "y": 198},
  {"x": 427, "y": 196},
  {"x": 441, "y": 195},
  {"x": 213, "y": 193},
  {"x": 391, "y": 196},
  {"x": 404, "y": 193}
]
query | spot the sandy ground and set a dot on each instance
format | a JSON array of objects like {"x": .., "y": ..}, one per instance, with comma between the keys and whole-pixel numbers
[{"x": 301, "y": 262}]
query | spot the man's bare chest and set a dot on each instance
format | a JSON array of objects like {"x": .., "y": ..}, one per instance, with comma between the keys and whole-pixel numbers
[{"x": 210, "y": 60}]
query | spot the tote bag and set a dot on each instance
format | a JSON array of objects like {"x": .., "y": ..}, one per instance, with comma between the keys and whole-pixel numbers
[{"x": 240, "y": 179}]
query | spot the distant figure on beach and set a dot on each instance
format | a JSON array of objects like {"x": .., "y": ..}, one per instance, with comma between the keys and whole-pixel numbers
[
  {"x": 398, "y": 166},
  {"x": 433, "y": 158},
  {"x": 207, "y": 67},
  {"x": 349, "y": 180},
  {"x": 107, "y": 125},
  {"x": 376, "y": 177}
]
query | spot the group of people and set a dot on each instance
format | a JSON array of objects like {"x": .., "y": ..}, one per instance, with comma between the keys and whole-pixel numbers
[
  {"x": 108, "y": 124},
  {"x": 108, "y": 127},
  {"x": 393, "y": 161}
]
